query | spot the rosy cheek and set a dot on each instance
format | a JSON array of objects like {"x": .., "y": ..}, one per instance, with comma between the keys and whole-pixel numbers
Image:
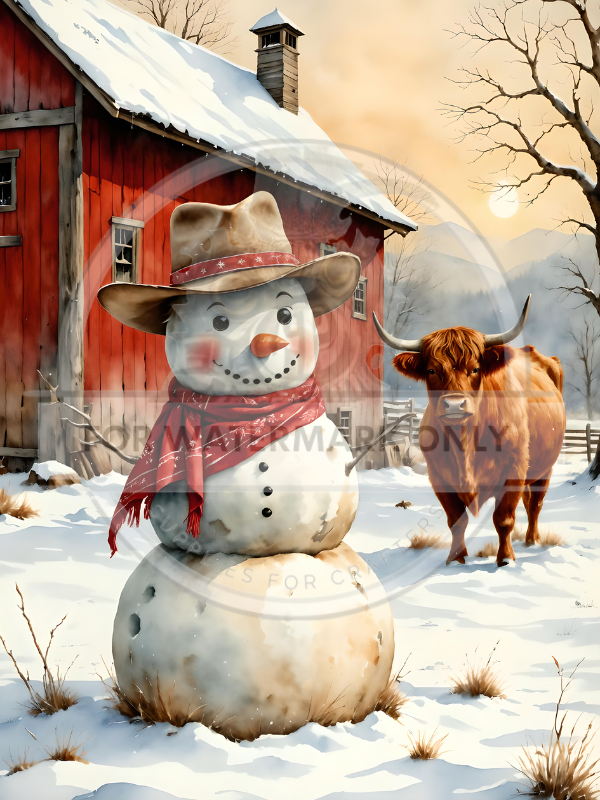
[
  {"x": 200, "y": 356},
  {"x": 303, "y": 343}
]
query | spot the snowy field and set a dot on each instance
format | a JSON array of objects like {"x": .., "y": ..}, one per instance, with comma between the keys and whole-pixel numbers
[{"x": 546, "y": 605}]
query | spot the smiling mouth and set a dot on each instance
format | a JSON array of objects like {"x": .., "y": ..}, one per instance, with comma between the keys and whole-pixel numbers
[
  {"x": 455, "y": 415},
  {"x": 256, "y": 381}
]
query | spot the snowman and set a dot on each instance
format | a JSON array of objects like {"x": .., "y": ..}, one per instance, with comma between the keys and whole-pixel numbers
[{"x": 252, "y": 614}]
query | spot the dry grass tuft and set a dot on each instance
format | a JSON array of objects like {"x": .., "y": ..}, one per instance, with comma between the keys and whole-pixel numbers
[
  {"x": 66, "y": 751},
  {"x": 425, "y": 749},
  {"x": 20, "y": 763},
  {"x": 54, "y": 696},
  {"x": 518, "y": 534},
  {"x": 16, "y": 507},
  {"x": 423, "y": 539},
  {"x": 149, "y": 706},
  {"x": 564, "y": 769},
  {"x": 479, "y": 679},
  {"x": 489, "y": 549},
  {"x": 550, "y": 537},
  {"x": 392, "y": 700}
]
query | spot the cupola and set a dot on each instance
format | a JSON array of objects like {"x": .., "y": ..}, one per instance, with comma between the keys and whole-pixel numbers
[{"x": 277, "y": 68}]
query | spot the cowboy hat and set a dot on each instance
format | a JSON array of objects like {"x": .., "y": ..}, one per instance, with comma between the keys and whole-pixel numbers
[{"x": 218, "y": 249}]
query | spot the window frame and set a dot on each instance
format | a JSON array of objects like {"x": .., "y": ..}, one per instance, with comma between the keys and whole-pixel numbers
[
  {"x": 362, "y": 283},
  {"x": 135, "y": 226},
  {"x": 11, "y": 155},
  {"x": 327, "y": 249}
]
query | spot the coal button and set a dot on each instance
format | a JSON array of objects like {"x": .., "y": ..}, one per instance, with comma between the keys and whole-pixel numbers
[
  {"x": 263, "y": 467},
  {"x": 266, "y": 512},
  {"x": 267, "y": 491}
]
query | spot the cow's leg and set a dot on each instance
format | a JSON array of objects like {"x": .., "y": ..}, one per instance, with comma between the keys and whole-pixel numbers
[
  {"x": 504, "y": 522},
  {"x": 456, "y": 513},
  {"x": 537, "y": 492}
]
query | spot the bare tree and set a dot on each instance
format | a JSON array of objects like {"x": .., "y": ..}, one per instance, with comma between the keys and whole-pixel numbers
[
  {"x": 406, "y": 192},
  {"x": 203, "y": 22},
  {"x": 408, "y": 283},
  {"x": 588, "y": 364},
  {"x": 543, "y": 104}
]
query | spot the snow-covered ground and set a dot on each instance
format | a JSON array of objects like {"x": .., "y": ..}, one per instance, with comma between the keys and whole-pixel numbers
[{"x": 546, "y": 605}]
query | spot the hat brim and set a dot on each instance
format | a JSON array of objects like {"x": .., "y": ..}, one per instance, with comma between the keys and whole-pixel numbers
[{"x": 328, "y": 282}]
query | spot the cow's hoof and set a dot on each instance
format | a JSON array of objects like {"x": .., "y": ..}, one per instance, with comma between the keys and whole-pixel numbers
[
  {"x": 460, "y": 557},
  {"x": 507, "y": 561}
]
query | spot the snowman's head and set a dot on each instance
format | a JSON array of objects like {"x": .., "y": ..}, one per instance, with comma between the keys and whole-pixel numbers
[{"x": 250, "y": 342}]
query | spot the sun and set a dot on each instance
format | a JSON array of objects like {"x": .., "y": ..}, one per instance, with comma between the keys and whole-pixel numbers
[{"x": 504, "y": 201}]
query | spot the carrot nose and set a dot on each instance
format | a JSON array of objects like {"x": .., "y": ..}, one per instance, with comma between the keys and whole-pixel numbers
[{"x": 266, "y": 343}]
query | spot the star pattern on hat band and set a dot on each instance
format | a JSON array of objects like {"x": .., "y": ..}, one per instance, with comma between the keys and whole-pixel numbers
[{"x": 226, "y": 264}]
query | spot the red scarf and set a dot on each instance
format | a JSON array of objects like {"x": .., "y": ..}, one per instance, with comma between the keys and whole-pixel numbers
[{"x": 197, "y": 435}]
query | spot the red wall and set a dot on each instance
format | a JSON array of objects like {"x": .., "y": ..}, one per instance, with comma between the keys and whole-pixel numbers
[
  {"x": 132, "y": 173},
  {"x": 30, "y": 78}
]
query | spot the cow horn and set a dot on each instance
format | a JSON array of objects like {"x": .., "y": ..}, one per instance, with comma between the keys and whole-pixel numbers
[
  {"x": 406, "y": 345},
  {"x": 503, "y": 338}
]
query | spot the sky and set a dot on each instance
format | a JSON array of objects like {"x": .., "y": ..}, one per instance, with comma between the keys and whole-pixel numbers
[{"x": 374, "y": 76}]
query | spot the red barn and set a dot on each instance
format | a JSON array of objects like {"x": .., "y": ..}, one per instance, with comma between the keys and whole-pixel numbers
[{"x": 107, "y": 123}]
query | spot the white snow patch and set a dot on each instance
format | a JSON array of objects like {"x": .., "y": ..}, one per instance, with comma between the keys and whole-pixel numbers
[
  {"x": 547, "y": 605},
  {"x": 46, "y": 469}
]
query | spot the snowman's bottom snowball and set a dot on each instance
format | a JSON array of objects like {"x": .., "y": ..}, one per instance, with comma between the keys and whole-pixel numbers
[{"x": 251, "y": 646}]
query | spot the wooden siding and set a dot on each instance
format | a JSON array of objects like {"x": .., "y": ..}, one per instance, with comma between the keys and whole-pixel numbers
[
  {"x": 30, "y": 79},
  {"x": 130, "y": 173},
  {"x": 28, "y": 284},
  {"x": 30, "y": 76}
]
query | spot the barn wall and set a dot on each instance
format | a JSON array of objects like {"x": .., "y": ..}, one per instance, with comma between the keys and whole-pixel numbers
[
  {"x": 132, "y": 173},
  {"x": 30, "y": 78}
]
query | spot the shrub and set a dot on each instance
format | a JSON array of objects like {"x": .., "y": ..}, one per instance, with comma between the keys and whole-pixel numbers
[
  {"x": 550, "y": 537},
  {"x": 425, "y": 749},
  {"x": 66, "y": 751},
  {"x": 16, "y": 507},
  {"x": 423, "y": 539},
  {"x": 20, "y": 763},
  {"x": 54, "y": 696},
  {"x": 392, "y": 700},
  {"x": 489, "y": 549},
  {"x": 563, "y": 769},
  {"x": 479, "y": 679},
  {"x": 150, "y": 705}
]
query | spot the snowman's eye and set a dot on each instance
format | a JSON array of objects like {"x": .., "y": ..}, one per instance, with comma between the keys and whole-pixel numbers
[
  {"x": 284, "y": 316},
  {"x": 220, "y": 323}
]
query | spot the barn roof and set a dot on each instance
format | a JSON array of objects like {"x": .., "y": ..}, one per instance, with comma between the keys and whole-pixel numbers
[{"x": 159, "y": 81}]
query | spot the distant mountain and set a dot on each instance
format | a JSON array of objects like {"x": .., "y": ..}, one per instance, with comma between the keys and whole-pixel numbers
[{"x": 484, "y": 283}]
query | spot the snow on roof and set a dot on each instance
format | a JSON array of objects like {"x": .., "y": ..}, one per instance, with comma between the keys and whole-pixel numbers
[
  {"x": 150, "y": 72},
  {"x": 275, "y": 18}
]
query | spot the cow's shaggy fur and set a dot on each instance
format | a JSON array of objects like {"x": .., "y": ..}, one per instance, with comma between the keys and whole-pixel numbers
[{"x": 502, "y": 443}]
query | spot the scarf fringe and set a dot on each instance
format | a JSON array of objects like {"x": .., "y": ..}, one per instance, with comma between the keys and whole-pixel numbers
[
  {"x": 193, "y": 520},
  {"x": 129, "y": 515}
]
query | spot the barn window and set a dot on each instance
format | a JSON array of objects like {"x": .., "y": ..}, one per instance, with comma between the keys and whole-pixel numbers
[
  {"x": 359, "y": 299},
  {"x": 290, "y": 40},
  {"x": 326, "y": 249},
  {"x": 271, "y": 38},
  {"x": 126, "y": 235},
  {"x": 8, "y": 179},
  {"x": 344, "y": 424}
]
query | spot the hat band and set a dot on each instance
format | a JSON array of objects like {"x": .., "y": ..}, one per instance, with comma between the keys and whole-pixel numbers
[{"x": 220, "y": 266}]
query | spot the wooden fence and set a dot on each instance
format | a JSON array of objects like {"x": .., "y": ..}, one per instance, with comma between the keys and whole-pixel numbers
[
  {"x": 409, "y": 429},
  {"x": 577, "y": 441},
  {"x": 581, "y": 441}
]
